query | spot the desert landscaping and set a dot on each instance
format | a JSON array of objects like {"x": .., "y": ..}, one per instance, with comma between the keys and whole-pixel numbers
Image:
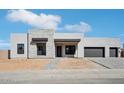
[
  {"x": 61, "y": 70},
  {"x": 16, "y": 64},
  {"x": 73, "y": 63},
  {"x": 44, "y": 64},
  {"x": 22, "y": 64}
]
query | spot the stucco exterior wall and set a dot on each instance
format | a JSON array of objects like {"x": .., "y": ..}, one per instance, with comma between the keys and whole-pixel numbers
[
  {"x": 79, "y": 46},
  {"x": 50, "y": 47},
  {"x": 100, "y": 42},
  {"x": 68, "y": 35},
  {"x": 17, "y": 38},
  {"x": 63, "y": 44},
  {"x": 103, "y": 42},
  {"x": 30, "y": 49}
]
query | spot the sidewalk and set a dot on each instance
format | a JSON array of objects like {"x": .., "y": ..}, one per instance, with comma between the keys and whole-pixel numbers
[{"x": 106, "y": 76}]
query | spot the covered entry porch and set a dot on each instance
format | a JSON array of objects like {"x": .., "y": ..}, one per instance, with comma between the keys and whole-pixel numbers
[{"x": 66, "y": 47}]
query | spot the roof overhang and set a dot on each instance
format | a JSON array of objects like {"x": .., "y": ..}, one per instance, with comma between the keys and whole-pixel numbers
[
  {"x": 39, "y": 40},
  {"x": 66, "y": 40}
]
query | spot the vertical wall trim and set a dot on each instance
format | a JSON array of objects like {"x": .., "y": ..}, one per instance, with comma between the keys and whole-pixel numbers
[{"x": 27, "y": 45}]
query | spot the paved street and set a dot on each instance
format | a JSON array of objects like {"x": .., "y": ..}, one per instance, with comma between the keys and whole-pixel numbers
[
  {"x": 112, "y": 63},
  {"x": 93, "y": 76}
]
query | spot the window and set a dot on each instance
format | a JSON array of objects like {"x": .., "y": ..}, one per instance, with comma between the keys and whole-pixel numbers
[
  {"x": 41, "y": 49},
  {"x": 20, "y": 48},
  {"x": 70, "y": 49}
]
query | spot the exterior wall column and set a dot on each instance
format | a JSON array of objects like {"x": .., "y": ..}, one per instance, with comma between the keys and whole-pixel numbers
[
  {"x": 54, "y": 50},
  {"x": 119, "y": 52},
  {"x": 80, "y": 52},
  {"x": 107, "y": 51},
  {"x": 76, "y": 51},
  {"x": 63, "y": 50}
]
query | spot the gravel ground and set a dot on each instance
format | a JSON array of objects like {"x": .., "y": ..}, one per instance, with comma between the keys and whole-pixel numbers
[{"x": 112, "y": 63}]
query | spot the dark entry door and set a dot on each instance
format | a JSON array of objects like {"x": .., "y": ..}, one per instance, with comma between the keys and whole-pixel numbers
[{"x": 59, "y": 51}]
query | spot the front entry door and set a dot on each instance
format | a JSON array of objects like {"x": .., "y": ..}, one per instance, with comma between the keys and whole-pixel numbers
[{"x": 59, "y": 51}]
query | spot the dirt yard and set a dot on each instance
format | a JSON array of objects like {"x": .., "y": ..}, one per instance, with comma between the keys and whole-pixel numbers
[
  {"x": 22, "y": 64},
  {"x": 4, "y": 54},
  {"x": 77, "y": 64},
  {"x": 46, "y": 64}
]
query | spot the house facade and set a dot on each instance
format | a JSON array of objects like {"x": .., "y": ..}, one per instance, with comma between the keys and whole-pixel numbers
[{"x": 45, "y": 43}]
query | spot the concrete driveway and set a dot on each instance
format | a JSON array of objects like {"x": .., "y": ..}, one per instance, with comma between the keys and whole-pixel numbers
[{"x": 111, "y": 63}]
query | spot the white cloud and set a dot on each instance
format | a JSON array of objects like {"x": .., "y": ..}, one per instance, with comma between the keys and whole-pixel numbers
[
  {"x": 81, "y": 27},
  {"x": 45, "y": 21},
  {"x": 39, "y": 21},
  {"x": 121, "y": 34},
  {"x": 4, "y": 44}
]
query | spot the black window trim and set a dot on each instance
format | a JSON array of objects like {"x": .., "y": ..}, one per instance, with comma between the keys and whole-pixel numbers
[
  {"x": 72, "y": 53},
  {"x": 22, "y": 51},
  {"x": 116, "y": 50},
  {"x": 43, "y": 53}
]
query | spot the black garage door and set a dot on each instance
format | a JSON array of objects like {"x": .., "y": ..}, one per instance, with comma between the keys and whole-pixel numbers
[
  {"x": 94, "y": 52},
  {"x": 113, "y": 52}
]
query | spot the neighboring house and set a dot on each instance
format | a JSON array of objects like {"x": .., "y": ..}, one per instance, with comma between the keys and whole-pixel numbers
[
  {"x": 122, "y": 52},
  {"x": 48, "y": 44}
]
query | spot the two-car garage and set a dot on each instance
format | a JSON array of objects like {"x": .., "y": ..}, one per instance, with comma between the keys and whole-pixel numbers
[
  {"x": 99, "y": 52},
  {"x": 94, "y": 52}
]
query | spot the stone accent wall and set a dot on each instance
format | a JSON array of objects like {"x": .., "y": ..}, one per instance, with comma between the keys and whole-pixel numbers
[{"x": 50, "y": 46}]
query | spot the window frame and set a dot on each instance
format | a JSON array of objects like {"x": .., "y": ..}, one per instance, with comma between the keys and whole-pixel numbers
[
  {"x": 70, "y": 52},
  {"x": 21, "y": 51},
  {"x": 115, "y": 51},
  {"x": 41, "y": 52}
]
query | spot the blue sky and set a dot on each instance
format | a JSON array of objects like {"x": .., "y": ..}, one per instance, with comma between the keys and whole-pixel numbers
[{"x": 103, "y": 23}]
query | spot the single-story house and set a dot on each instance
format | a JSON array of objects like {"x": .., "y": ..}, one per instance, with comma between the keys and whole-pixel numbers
[{"x": 45, "y": 43}]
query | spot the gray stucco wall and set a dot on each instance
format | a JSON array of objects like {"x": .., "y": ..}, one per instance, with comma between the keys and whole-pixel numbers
[
  {"x": 50, "y": 47},
  {"x": 17, "y": 38}
]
